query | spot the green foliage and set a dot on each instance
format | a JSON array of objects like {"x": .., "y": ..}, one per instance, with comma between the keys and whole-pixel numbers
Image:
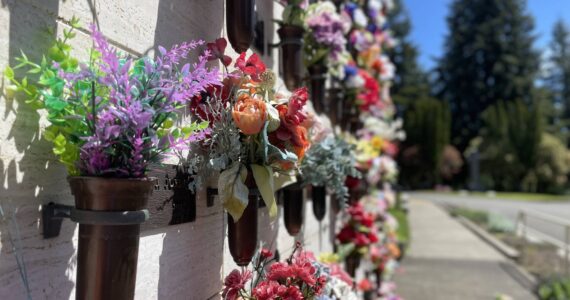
[
  {"x": 499, "y": 224},
  {"x": 328, "y": 163},
  {"x": 427, "y": 126},
  {"x": 509, "y": 145},
  {"x": 293, "y": 14},
  {"x": 476, "y": 216},
  {"x": 553, "y": 164},
  {"x": 46, "y": 91},
  {"x": 555, "y": 289},
  {"x": 488, "y": 58}
]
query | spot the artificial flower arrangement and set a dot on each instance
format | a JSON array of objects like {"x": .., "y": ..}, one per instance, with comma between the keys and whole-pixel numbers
[
  {"x": 252, "y": 129},
  {"x": 328, "y": 163},
  {"x": 325, "y": 41},
  {"x": 299, "y": 277},
  {"x": 291, "y": 32},
  {"x": 359, "y": 229},
  {"x": 294, "y": 12},
  {"x": 110, "y": 117},
  {"x": 114, "y": 115}
]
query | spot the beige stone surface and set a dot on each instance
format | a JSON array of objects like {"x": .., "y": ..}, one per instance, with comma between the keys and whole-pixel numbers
[{"x": 186, "y": 261}]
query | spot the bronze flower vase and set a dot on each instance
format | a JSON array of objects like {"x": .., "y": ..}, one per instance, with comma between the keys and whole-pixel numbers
[
  {"x": 335, "y": 107},
  {"x": 293, "y": 210},
  {"x": 291, "y": 55},
  {"x": 240, "y": 23},
  {"x": 109, "y": 212},
  {"x": 318, "y": 78},
  {"x": 242, "y": 235},
  {"x": 336, "y": 204},
  {"x": 351, "y": 263},
  {"x": 319, "y": 197},
  {"x": 378, "y": 274}
]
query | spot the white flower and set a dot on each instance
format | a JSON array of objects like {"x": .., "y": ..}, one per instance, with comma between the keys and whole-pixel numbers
[{"x": 359, "y": 17}]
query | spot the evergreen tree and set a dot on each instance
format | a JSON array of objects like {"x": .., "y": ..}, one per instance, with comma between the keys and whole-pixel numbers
[
  {"x": 488, "y": 57},
  {"x": 558, "y": 79},
  {"x": 427, "y": 125},
  {"x": 410, "y": 78}
]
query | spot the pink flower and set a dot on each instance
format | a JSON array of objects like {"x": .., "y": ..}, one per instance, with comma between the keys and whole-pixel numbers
[
  {"x": 235, "y": 282},
  {"x": 339, "y": 273}
]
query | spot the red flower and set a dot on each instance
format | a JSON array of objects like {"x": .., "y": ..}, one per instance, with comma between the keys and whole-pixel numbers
[
  {"x": 295, "y": 114},
  {"x": 269, "y": 290},
  {"x": 370, "y": 95},
  {"x": 234, "y": 282},
  {"x": 351, "y": 182},
  {"x": 361, "y": 240},
  {"x": 346, "y": 234},
  {"x": 217, "y": 49},
  {"x": 253, "y": 67},
  {"x": 291, "y": 135},
  {"x": 365, "y": 285},
  {"x": 266, "y": 253}
]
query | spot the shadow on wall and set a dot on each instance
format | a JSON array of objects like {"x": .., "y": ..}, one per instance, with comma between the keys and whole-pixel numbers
[
  {"x": 30, "y": 174},
  {"x": 194, "y": 250}
]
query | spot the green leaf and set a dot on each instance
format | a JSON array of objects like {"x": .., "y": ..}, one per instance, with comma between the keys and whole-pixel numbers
[
  {"x": 232, "y": 190},
  {"x": 9, "y": 73},
  {"x": 55, "y": 103},
  {"x": 263, "y": 176}
]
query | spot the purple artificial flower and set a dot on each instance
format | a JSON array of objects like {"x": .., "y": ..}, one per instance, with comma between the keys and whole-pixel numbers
[{"x": 134, "y": 98}]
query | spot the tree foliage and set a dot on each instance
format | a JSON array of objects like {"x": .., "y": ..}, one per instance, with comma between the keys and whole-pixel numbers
[
  {"x": 427, "y": 126},
  {"x": 488, "y": 58},
  {"x": 510, "y": 145}
]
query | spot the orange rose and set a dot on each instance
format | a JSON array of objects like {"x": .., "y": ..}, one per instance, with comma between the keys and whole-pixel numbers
[{"x": 249, "y": 114}]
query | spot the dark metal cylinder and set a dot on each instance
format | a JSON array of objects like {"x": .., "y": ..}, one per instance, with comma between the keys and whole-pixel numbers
[
  {"x": 107, "y": 254},
  {"x": 378, "y": 274},
  {"x": 319, "y": 197},
  {"x": 335, "y": 100},
  {"x": 242, "y": 235},
  {"x": 240, "y": 23},
  {"x": 318, "y": 79},
  {"x": 292, "y": 55},
  {"x": 351, "y": 263},
  {"x": 293, "y": 208}
]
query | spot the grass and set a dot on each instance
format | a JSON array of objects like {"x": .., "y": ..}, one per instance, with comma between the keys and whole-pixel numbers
[
  {"x": 479, "y": 217},
  {"x": 518, "y": 196},
  {"x": 403, "y": 226}
]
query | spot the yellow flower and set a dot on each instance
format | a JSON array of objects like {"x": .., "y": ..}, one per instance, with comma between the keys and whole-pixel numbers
[
  {"x": 328, "y": 258},
  {"x": 377, "y": 142}
]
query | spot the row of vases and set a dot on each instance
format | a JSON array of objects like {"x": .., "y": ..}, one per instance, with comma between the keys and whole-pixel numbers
[{"x": 108, "y": 248}]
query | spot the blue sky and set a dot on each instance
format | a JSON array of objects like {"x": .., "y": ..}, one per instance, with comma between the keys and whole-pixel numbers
[{"x": 430, "y": 28}]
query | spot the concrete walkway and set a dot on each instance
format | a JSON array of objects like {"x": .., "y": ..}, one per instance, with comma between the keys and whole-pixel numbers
[{"x": 447, "y": 261}]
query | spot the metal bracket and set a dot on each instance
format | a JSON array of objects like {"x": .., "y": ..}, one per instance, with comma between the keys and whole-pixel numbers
[{"x": 53, "y": 214}]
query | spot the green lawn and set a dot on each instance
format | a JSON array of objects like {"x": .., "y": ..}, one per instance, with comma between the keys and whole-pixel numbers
[
  {"x": 523, "y": 196},
  {"x": 511, "y": 195},
  {"x": 403, "y": 226}
]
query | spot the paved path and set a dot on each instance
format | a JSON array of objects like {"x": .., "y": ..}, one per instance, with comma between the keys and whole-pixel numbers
[
  {"x": 448, "y": 262},
  {"x": 509, "y": 209}
]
